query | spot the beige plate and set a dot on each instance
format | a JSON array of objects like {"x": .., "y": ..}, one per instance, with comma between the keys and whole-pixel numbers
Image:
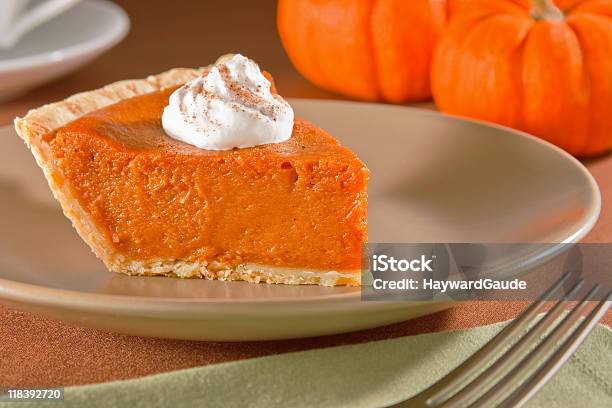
[{"x": 434, "y": 179}]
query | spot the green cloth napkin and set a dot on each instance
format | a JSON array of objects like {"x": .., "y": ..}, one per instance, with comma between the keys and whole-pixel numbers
[{"x": 364, "y": 375}]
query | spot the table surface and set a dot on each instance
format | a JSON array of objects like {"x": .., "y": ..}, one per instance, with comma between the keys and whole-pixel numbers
[{"x": 40, "y": 352}]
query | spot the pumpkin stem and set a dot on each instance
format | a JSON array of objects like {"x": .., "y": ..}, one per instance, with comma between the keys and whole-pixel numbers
[{"x": 545, "y": 10}]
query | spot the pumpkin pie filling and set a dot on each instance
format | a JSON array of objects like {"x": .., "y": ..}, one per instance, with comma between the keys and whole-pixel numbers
[{"x": 298, "y": 204}]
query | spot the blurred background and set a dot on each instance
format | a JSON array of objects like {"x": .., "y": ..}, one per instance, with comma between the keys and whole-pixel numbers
[
  {"x": 179, "y": 33},
  {"x": 541, "y": 66}
]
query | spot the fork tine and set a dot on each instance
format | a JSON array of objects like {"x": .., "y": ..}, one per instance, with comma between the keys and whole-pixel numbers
[
  {"x": 527, "y": 364},
  {"x": 486, "y": 379},
  {"x": 554, "y": 363},
  {"x": 451, "y": 383}
]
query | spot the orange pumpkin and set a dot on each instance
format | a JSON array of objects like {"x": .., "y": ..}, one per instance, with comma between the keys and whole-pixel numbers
[
  {"x": 365, "y": 49},
  {"x": 539, "y": 66}
]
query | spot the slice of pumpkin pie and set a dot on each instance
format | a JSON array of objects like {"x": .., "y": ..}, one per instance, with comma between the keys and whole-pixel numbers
[{"x": 203, "y": 173}]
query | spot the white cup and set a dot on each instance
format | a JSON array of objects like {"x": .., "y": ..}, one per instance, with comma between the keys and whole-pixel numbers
[{"x": 17, "y": 17}]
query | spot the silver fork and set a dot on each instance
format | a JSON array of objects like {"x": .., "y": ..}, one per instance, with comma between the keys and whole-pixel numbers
[{"x": 512, "y": 380}]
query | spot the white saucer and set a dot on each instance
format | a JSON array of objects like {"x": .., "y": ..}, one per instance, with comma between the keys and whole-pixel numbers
[
  {"x": 61, "y": 45},
  {"x": 434, "y": 178}
]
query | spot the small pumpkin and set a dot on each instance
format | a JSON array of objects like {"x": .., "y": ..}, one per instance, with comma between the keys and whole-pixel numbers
[
  {"x": 364, "y": 49},
  {"x": 537, "y": 65}
]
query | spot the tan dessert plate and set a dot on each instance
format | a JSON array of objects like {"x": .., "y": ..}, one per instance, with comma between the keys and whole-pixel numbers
[{"x": 434, "y": 179}]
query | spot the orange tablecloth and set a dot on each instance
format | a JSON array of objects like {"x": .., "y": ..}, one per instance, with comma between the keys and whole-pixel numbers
[{"x": 40, "y": 352}]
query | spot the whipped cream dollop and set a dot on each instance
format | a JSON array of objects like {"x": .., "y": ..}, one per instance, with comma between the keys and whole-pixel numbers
[{"x": 229, "y": 106}]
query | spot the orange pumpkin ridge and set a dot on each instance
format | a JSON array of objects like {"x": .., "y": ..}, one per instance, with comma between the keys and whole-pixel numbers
[
  {"x": 329, "y": 43},
  {"x": 404, "y": 38},
  {"x": 539, "y": 66}
]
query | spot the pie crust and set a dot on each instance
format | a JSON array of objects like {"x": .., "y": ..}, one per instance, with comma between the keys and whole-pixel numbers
[{"x": 39, "y": 122}]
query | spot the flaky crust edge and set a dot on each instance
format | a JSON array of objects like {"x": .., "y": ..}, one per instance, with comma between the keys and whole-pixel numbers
[{"x": 38, "y": 122}]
